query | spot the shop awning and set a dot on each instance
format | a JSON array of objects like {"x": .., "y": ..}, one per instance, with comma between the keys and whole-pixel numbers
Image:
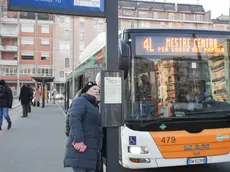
[{"x": 45, "y": 79}]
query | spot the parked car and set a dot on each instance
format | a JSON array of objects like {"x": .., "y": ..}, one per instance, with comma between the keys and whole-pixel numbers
[{"x": 59, "y": 97}]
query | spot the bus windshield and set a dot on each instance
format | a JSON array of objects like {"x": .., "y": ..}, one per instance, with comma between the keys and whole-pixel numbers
[{"x": 179, "y": 76}]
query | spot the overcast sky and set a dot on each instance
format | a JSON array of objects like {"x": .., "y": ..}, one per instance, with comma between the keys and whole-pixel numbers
[{"x": 216, "y": 6}]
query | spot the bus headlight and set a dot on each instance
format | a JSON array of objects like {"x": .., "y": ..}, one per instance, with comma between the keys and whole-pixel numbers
[{"x": 138, "y": 150}]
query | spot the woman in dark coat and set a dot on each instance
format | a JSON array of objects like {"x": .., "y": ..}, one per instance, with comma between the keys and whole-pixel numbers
[{"x": 85, "y": 131}]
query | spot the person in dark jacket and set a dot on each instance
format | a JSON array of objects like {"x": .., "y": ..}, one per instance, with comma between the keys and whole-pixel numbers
[
  {"x": 6, "y": 101},
  {"x": 24, "y": 97},
  {"x": 67, "y": 127},
  {"x": 85, "y": 130}
]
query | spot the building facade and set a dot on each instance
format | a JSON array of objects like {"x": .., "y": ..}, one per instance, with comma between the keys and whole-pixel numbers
[
  {"x": 72, "y": 35},
  {"x": 134, "y": 14},
  {"x": 221, "y": 23},
  {"x": 26, "y": 47}
]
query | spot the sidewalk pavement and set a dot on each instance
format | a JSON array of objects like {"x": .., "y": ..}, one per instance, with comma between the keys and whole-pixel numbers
[
  {"x": 36, "y": 143},
  {"x": 16, "y": 103}
]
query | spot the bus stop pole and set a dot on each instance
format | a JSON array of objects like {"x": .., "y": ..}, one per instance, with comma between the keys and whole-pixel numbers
[
  {"x": 67, "y": 92},
  {"x": 43, "y": 93},
  {"x": 112, "y": 133},
  {"x": 65, "y": 98}
]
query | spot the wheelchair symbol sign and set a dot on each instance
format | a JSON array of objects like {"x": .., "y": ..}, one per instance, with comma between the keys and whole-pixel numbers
[{"x": 132, "y": 140}]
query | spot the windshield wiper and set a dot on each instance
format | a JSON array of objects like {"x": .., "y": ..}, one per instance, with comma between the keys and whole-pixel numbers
[
  {"x": 223, "y": 112},
  {"x": 156, "y": 121}
]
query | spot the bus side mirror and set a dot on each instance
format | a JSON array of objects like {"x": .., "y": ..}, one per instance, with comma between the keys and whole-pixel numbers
[{"x": 124, "y": 57}]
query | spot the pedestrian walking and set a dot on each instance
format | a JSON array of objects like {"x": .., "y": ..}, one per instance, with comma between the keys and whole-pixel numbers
[
  {"x": 85, "y": 138},
  {"x": 37, "y": 96},
  {"x": 25, "y": 100},
  {"x": 6, "y": 101}
]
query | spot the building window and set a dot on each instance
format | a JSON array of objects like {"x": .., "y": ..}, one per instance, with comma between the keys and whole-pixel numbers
[
  {"x": 81, "y": 46},
  {"x": 67, "y": 34},
  {"x": 64, "y": 45},
  {"x": 45, "y": 72},
  {"x": 27, "y": 56},
  {"x": 101, "y": 23},
  {"x": 82, "y": 26},
  {"x": 45, "y": 56},
  {"x": 82, "y": 19},
  {"x": 27, "y": 41},
  {"x": 98, "y": 23},
  {"x": 61, "y": 74},
  {"x": 62, "y": 19},
  {"x": 27, "y": 28},
  {"x": 27, "y": 71},
  {"x": 45, "y": 29},
  {"x": 143, "y": 14},
  {"x": 199, "y": 17},
  {"x": 182, "y": 16},
  {"x": 171, "y": 16},
  {"x": 45, "y": 42},
  {"x": 127, "y": 12},
  {"x": 81, "y": 36},
  {"x": 132, "y": 24},
  {"x": 10, "y": 71},
  {"x": 155, "y": 15},
  {"x": 66, "y": 62}
]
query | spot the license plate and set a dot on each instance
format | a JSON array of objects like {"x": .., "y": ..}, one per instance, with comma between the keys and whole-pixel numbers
[{"x": 193, "y": 161}]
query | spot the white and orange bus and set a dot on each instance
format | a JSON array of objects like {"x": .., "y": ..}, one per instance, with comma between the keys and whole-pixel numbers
[{"x": 177, "y": 94}]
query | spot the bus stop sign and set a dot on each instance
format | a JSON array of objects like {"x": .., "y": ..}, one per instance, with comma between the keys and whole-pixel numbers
[
  {"x": 111, "y": 105},
  {"x": 90, "y": 8}
]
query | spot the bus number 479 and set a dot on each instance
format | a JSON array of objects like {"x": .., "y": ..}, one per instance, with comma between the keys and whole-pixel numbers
[{"x": 168, "y": 140}]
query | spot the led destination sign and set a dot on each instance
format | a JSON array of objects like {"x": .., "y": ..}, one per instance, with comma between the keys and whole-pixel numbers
[{"x": 177, "y": 45}]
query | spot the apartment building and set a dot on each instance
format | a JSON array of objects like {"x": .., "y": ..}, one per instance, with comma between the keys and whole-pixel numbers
[
  {"x": 135, "y": 14},
  {"x": 71, "y": 36},
  {"x": 26, "y": 41},
  {"x": 50, "y": 45},
  {"x": 221, "y": 23}
]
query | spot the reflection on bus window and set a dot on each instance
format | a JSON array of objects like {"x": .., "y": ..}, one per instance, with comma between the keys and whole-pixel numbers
[{"x": 172, "y": 87}]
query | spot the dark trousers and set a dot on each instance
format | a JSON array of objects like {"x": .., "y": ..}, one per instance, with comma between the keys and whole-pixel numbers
[
  {"x": 25, "y": 109},
  {"x": 36, "y": 103},
  {"x": 29, "y": 108}
]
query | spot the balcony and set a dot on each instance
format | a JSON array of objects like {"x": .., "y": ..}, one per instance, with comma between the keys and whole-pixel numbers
[
  {"x": 8, "y": 48},
  {"x": 11, "y": 19},
  {"x": 8, "y": 33},
  {"x": 8, "y": 62}
]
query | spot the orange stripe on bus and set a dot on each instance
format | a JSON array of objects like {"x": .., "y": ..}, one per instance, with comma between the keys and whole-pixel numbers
[{"x": 176, "y": 148}]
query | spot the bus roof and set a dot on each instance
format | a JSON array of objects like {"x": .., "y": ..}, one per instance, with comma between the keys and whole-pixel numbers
[
  {"x": 95, "y": 45},
  {"x": 148, "y": 30}
]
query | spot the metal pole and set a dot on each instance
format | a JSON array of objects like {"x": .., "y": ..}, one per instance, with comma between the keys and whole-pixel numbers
[
  {"x": 43, "y": 93},
  {"x": 67, "y": 96},
  {"x": 229, "y": 16},
  {"x": 18, "y": 58},
  {"x": 112, "y": 133},
  {"x": 73, "y": 66}
]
